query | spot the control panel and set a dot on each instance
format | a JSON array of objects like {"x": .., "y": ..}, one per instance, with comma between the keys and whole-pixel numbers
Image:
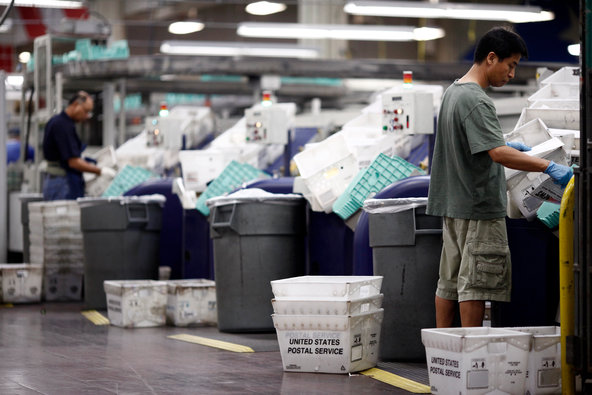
[
  {"x": 164, "y": 132},
  {"x": 267, "y": 125},
  {"x": 409, "y": 112}
]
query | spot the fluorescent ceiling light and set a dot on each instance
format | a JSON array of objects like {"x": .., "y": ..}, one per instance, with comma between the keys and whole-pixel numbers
[
  {"x": 185, "y": 27},
  {"x": 338, "y": 32},
  {"x": 264, "y": 8},
  {"x": 420, "y": 9},
  {"x": 221, "y": 48},
  {"x": 574, "y": 49},
  {"x": 44, "y": 3}
]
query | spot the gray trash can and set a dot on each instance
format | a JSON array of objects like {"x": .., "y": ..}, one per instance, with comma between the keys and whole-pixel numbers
[
  {"x": 406, "y": 246},
  {"x": 121, "y": 242},
  {"x": 256, "y": 240},
  {"x": 25, "y": 200}
]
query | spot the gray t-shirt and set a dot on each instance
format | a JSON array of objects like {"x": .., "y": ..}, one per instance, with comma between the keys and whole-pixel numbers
[{"x": 465, "y": 182}]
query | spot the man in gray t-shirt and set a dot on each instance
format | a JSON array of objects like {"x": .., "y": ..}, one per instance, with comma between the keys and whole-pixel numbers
[{"x": 468, "y": 186}]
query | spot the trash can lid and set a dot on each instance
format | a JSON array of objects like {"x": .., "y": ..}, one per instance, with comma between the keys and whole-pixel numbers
[
  {"x": 252, "y": 195},
  {"x": 145, "y": 199},
  {"x": 378, "y": 206}
]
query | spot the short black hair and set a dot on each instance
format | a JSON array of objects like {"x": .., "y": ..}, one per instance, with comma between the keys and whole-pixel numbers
[
  {"x": 80, "y": 96},
  {"x": 501, "y": 41}
]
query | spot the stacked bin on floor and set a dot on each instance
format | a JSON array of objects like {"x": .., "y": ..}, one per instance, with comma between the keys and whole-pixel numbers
[
  {"x": 328, "y": 324},
  {"x": 121, "y": 242},
  {"x": 56, "y": 243},
  {"x": 256, "y": 240},
  {"x": 25, "y": 200},
  {"x": 406, "y": 245}
]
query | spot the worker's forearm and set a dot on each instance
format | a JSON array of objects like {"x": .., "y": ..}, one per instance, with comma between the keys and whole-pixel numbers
[
  {"x": 83, "y": 166},
  {"x": 514, "y": 159}
]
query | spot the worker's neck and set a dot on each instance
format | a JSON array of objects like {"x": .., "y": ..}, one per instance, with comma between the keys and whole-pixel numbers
[
  {"x": 477, "y": 75},
  {"x": 69, "y": 112}
]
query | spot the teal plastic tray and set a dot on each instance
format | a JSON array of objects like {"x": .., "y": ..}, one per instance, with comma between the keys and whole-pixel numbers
[
  {"x": 126, "y": 179},
  {"x": 548, "y": 213},
  {"x": 232, "y": 177},
  {"x": 382, "y": 172}
]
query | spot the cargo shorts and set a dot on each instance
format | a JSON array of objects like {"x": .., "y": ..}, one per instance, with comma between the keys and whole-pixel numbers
[{"x": 475, "y": 262}]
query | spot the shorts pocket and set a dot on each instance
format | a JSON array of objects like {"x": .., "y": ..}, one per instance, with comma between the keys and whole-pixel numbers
[{"x": 489, "y": 264}]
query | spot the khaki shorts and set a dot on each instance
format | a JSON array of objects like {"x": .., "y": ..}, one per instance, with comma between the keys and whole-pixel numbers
[{"x": 475, "y": 262}]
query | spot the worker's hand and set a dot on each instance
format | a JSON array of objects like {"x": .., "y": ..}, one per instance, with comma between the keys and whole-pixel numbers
[
  {"x": 107, "y": 171},
  {"x": 518, "y": 145},
  {"x": 561, "y": 174}
]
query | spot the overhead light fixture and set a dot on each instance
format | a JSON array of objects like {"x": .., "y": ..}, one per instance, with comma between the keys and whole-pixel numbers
[
  {"x": 6, "y": 26},
  {"x": 338, "y": 32},
  {"x": 221, "y": 48},
  {"x": 45, "y": 3},
  {"x": 264, "y": 8},
  {"x": 185, "y": 27},
  {"x": 574, "y": 49},
  {"x": 471, "y": 11},
  {"x": 24, "y": 57}
]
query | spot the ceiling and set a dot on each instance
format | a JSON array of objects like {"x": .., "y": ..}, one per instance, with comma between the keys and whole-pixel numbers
[{"x": 144, "y": 23}]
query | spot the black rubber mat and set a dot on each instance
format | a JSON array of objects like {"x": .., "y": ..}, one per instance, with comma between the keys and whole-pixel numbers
[{"x": 413, "y": 371}]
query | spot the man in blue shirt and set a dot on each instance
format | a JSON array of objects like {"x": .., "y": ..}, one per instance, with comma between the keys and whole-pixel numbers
[
  {"x": 62, "y": 149},
  {"x": 13, "y": 147}
]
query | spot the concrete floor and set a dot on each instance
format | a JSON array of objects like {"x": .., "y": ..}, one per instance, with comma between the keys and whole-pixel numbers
[{"x": 52, "y": 349}]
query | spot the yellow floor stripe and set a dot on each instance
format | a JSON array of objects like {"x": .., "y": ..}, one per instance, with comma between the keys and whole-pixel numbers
[
  {"x": 7, "y": 305},
  {"x": 204, "y": 341},
  {"x": 95, "y": 317},
  {"x": 397, "y": 381}
]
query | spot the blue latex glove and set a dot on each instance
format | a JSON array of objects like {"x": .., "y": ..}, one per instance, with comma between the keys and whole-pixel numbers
[
  {"x": 561, "y": 174},
  {"x": 518, "y": 145}
]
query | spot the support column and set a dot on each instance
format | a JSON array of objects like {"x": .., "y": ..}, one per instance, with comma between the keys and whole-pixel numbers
[
  {"x": 109, "y": 131},
  {"x": 324, "y": 13},
  {"x": 122, "y": 131},
  {"x": 3, "y": 186}
]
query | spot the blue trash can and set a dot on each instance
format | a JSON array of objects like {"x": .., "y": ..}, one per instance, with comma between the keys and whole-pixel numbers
[
  {"x": 171, "y": 235},
  {"x": 362, "y": 253},
  {"x": 198, "y": 259},
  {"x": 535, "y": 276}
]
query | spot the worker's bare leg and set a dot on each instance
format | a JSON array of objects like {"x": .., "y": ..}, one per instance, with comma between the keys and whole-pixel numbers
[
  {"x": 444, "y": 312},
  {"x": 472, "y": 312}
]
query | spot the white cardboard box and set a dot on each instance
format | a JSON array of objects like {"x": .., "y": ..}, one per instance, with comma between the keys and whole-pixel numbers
[
  {"x": 326, "y": 306},
  {"x": 20, "y": 283},
  {"x": 136, "y": 303},
  {"x": 191, "y": 302},
  {"x": 328, "y": 343},
  {"x": 544, "y": 360},
  {"x": 63, "y": 282},
  {"x": 471, "y": 361},
  {"x": 345, "y": 287}
]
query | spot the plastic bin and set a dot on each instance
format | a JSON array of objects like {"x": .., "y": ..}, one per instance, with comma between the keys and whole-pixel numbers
[
  {"x": 475, "y": 361},
  {"x": 531, "y": 133},
  {"x": 406, "y": 247},
  {"x": 25, "y": 200},
  {"x": 231, "y": 178},
  {"x": 382, "y": 171},
  {"x": 191, "y": 302},
  {"x": 552, "y": 117},
  {"x": 127, "y": 178},
  {"x": 256, "y": 240},
  {"x": 136, "y": 303},
  {"x": 121, "y": 242},
  {"x": 171, "y": 239},
  {"x": 328, "y": 343},
  {"x": 20, "y": 283},
  {"x": 362, "y": 253}
]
